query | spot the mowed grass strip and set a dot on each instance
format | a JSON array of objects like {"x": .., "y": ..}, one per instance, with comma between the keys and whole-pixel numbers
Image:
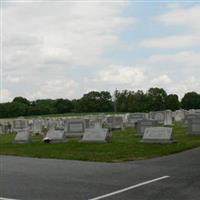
[{"x": 125, "y": 146}]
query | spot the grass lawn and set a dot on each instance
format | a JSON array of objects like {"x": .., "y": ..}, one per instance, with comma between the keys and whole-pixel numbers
[{"x": 125, "y": 146}]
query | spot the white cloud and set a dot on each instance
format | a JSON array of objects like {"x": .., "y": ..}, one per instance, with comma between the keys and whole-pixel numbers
[
  {"x": 184, "y": 59},
  {"x": 183, "y": 16},
  {"x": 176, "y": 41},
  {"x": 46, "y": 42},
  {"x": 56, "y": 89},
  {"x": 118, "y": 74},
  {"x": 187, "y": 18},
  {"x": 186, "y": 85},
  {"x": 73, "y": 33},
  {"x": 162, "y": 80}
]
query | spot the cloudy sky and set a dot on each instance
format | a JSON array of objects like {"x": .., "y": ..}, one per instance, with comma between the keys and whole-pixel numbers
[{"x": 55, "y": 49}]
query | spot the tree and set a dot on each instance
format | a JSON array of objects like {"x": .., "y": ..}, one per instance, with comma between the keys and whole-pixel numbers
[
  {"x": 63, "y": 105},
  {"x": 95, "y": 102},
  {"x": 42, "y": 106},
  {"x": 121, "y": 104},
  {"x": 191, "y": 100},
  {"x": 13, "y": 109},
  {"x": 21, "y": 100},
  {"x": 172, "y": 102},
  {"x": 156, "y": 98}
]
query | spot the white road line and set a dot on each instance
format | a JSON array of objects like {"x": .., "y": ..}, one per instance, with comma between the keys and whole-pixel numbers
[
  {"x": 130, "y": 188},
  {"x": 2, "y": 198}
]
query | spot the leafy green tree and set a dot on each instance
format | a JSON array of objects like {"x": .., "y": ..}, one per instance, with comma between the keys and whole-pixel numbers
[
  {"x": 95, "y": 102},
  {"x": 15, "y": 109},
  {"x": 121, "y": 104},
  {"x": 63, "y": 105},
  {"x": 21, "y": 100},
  {"x": 42, "y": 107},
  {"x": 156, "y": 98},
  {"x": 191, "y": 100},
  {"x": 172, "y": 102}
]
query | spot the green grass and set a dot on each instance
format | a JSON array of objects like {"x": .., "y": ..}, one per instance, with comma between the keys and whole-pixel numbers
[{"x": 125, "y": 146}]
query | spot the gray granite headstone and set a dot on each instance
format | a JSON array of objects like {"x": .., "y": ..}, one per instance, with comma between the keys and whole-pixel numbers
[
  {"x": 20, "y": 124},
  {"x": 75, "y": 127},
  {"x": 133, "y": 118},
  {"x": 143, "y": 124},
  {"x": 194, "y": 126},
  {"x": 158, "y": 135},
  {"x": 188, "y": 117},
  {"x": 54, "y": 136},
  {"x": 37, "y": 127},
  {"x": 114, "y": 122},
  {"x": 159, "y": 116},
  {"x": 96, "y": 134},
  {"x": 23, "y": 136}
]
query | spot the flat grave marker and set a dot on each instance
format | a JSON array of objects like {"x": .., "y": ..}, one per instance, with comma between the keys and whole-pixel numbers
[
  {"x": 141, "y": 125},
  {"x": 96, "y": 134},
  {"x": 158, "y": 135},
  {"x": 23, "y": 136},
  {"x": 54, "y": 136}
]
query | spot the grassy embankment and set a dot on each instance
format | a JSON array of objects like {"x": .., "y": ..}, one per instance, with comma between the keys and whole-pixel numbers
[{"x": 125, "y": 146}]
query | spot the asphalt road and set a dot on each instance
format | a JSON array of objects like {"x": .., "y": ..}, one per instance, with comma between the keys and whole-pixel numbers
[{"x": 48, "y": 179}]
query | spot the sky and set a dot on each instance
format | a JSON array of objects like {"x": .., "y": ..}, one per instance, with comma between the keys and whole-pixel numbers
[{"x": 64, "y": 49}]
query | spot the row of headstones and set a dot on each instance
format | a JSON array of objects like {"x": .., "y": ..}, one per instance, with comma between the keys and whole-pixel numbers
[
  {"x": 74, "y": 129},
  {"x": 139, "y": 120},
  {"x": 77, "y": 127},
  {"x": 98, "y": 134},
  {"x": 114, "y": 121}
]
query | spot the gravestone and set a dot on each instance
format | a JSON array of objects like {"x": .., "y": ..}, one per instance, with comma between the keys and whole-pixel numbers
[
  {"x": 93, "y": 121},
  {"x": 194, "y": 126},
  {"x": 51, "y": 124},
  {"x": 179, "y": 115},
  {"x": 114, "y": 122},
  {"x": 197, "y": 111},
  {"x": 96, "y": 134},
  {"x": 158, "y": 115},
  {"x": 23, "y": 136},
  {"x": 158, "y": 135},
  {"x": 37, "y": 127},
  {"x": 54, "y": 136},
  {"x": 59, "y": 124},
  {"x": 5, "y": 127},
  {"x": 168, "y": 117},
  {"x": 191, "y": 111},
  {"x": 133, "y": 118},
  {"x": 20, "y": 124},
  {"x": 143, "y": 124},
  {"x": 1, "y": 129},
  {"x": 74, "y": 127},
  {"x": 189, "y": 117}
]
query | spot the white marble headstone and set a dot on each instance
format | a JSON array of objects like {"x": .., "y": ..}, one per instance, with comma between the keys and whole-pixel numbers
[
  {"x": 158, "y": 135},
  {"x": 23, "y": 136},
  {"x": 55, "y": 135},
  {"x": 96, "y": 134}
]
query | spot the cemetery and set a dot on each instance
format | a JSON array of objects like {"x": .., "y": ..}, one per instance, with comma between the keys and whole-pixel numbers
[{"x": 101, "y": 137}]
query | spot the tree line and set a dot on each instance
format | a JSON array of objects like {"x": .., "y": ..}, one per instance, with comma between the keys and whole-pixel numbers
[{"x": 122, "y": 101}]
